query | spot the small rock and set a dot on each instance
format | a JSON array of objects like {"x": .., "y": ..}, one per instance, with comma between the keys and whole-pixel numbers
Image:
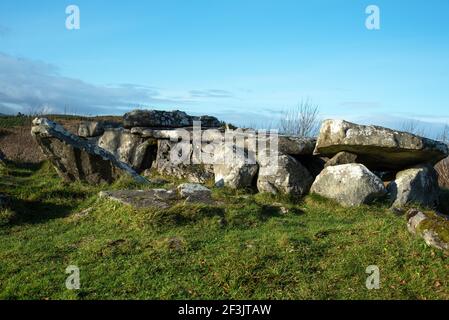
[
  {"x": 195, "y": 193},
  {"x": 140, "y": 199}
]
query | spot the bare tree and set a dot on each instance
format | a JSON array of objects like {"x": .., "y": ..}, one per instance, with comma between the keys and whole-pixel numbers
[
  {"x": 414, "y": 127},
  {"x": 302, "y": 120}
]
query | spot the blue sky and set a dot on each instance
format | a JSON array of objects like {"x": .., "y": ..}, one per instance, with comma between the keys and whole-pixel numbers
[{"x": 242, "y": 60}]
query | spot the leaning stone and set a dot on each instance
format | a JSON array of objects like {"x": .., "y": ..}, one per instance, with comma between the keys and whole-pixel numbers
[
  {"x": 166, "y": 119},
  {"x": 342, "y": 158},
  {"x": 288, "y": 176},
  {"x": 194, "y": 193},
  {"x": 417, "y": 185},
  {"x": 76, "y": 159},
  {"x": 349, "y": 185},
  {"x": 380, "y": 149},
  {"x": 141, "y": 199}
]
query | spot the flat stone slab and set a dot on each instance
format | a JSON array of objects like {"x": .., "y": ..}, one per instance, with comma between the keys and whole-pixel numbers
[
  {"x": 139, "y": 199},
  {"x": 378, "y": 148}
]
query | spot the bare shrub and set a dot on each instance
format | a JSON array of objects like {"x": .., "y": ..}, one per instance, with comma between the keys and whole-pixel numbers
[
  {"x": 413, "y": 127},
  {"x": 302, "y": 120}
]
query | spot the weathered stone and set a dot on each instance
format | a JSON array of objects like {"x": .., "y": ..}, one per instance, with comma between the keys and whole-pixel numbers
[
  {"x": 140, "y": 199},
  {"x": 77, "y": 159},
  {"x": 181, "y": 165},
  {"x": 433, "y": 228},
  {"x": 349, "y": 185},
  {"x": 417, "y": 185},
  {"x": 341, "y": 158},
  {"x": 233, "y": 168},
  {"x": 192, "y": 192},
  {"x": 129, "y": 148},
  {"x": 288, "y": 176},
  {"x": 166, "y": 119},
  {"x": 88, "y": 129},
  {"x": 292, "y": 145},
  {"x": 376, "y": 147}
]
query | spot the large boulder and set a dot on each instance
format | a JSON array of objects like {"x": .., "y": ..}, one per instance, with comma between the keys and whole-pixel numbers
[
  {"x": 349, "y": 185},
  {"x": 287, "y": 176},
  {"x": 77, "y": 159},
  {"x": 418, "y": 185},
  {"x": 176, "y": 159},
  {"x": 233, "y": 168},
  {"x": 376, "y": 147},
  {"x": 130, "y": 148},
  {"x": 166, "y": 119}
]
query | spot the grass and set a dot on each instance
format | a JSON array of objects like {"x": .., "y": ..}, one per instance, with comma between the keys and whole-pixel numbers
[{"x": 246, "y": 247}]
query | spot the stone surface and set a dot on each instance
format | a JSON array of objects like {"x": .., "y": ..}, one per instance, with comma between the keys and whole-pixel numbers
[
  {"x": 130, "y": 148},
  {"x": 292, "y": 145},
  {"x": 140, "y": 199},
  {"x": 77, "y": 159},
  {"x": 378, "y": 148},
  {"x": 433, "y": 228},
  {"x": 233, "y": 169},
  {"x": 193, "y": 192},
  {"x": 417, "y": 185},
  {"x": 341, "y": 158},
  {"x": 289, "y": 176},
  {"x": 180, "y": 166},
  {"x": 166, "y": 119},
  {"x": 349, "y": 185},
  {"x": 88, "y": 129}
]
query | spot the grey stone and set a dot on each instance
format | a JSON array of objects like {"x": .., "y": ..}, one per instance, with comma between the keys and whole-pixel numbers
[
  {"x": 288, "y": 176},
  {"x": 349, "y": 185},
  {"x": 77, "y": 159},
  {"x": 417, "y": 185},
  {"x": 233, "y": 168},
  {"x": 195, "y": 193},
  {"x": 182, "y": 165},
  {"x": 378, "y": 148},
  {"x": 132, "y": 149},
  {"x": 166, "y": 119},
  {"x": 89, "y": 129},
  {"x": 432, "y": 228},
  {"x": 141, "y": 199},
  {"x": 342, "y": 158}
]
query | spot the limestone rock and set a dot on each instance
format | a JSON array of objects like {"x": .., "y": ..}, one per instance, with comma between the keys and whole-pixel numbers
[
  {"x": 166, "y": 119},
  {"x": 378, "y": 148},
  {"x": 139, "y": 153},
  {"x": 140, "y": 199},
  {"x": 433, "y": 228},
  {"x": 194, "y": 193},
  {"x": 78, "y": 159},
  {"x": 233, "y": 168},
  {"x": 342, "y": 158},
  {"x": 417, "y": 185},
  {"x": 349, "y": 184},
  {"x": 176, "y": 159},
  {"x": 288, "y": 176}
]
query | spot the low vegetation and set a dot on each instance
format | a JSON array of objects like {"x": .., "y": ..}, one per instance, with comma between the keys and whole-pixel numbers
[{"x": 248, "y": 246}]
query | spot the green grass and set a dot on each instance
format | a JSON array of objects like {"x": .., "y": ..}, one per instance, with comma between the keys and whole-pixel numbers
[{"x": 245, "y": 247}]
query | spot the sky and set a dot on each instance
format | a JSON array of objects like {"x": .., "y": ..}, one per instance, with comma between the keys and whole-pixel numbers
[{"x": 244, "y": 61}]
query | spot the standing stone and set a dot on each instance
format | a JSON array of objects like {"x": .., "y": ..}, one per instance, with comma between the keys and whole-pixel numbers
[
  {"x": 129, "y": 148},
  {"x": 89, "y": 129},
  {"x": 349, "y": 185},
  {"x": 289, "y": 176},
  {"x": 417, "y": 185},
  {"x": 380, "y": 149},
  {"x": 77, "y": 159},
  {"x": 176, "y": 159},
  {"x": 233, "y": 168}
]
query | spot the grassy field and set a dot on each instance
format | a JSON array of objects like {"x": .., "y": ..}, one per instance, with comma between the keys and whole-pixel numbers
[{"x": 245, "y": 247}]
